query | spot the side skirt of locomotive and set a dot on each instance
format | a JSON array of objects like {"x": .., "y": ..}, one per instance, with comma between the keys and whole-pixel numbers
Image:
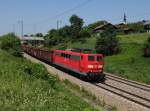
[{"x": 89, "y": 76}]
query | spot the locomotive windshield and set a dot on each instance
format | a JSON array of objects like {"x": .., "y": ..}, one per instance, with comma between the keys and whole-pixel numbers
[
  {"x": 99, "y": 58},
  {"x": 91, "y": 58},
  {"x": 94, "y": 58}
]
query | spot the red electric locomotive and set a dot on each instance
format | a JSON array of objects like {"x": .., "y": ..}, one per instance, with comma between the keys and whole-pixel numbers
[
  {"x": 85, "y": 64},
  {"x": 90, "y": 65}
]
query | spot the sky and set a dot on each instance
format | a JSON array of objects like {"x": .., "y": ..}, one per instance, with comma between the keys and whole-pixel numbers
[{"x": 42, "y": 15}]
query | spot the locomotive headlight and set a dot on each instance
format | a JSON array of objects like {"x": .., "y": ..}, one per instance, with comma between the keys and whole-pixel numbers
[
  {"x": 100, "y": 66},
  {"x": 90, "y": 66}
]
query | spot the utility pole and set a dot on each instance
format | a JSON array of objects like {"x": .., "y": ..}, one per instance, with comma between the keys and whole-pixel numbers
[
  {"x": 35, "y": 27},
  {"x": 58, "y": 24},
  {"x": 21, "y": 23}
]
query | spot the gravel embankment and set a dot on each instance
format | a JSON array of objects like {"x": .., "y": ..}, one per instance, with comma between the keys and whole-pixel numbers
[{"x": 128, "y": 88}]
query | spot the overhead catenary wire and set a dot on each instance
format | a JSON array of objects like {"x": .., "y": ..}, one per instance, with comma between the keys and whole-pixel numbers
[{"x": 64, "y": 12}]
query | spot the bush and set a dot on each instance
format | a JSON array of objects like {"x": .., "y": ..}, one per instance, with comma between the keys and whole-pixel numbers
[
  {"x": 147, "y": 48},
  {"x": 11, "y": 44},
  {"x": 84, "y": 34},
  {"x": 107, "y": 43}
]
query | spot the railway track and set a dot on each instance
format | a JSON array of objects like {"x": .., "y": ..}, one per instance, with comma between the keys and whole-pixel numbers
[
  {"x": 123, "y": 92},
  {"x": 128, "y": 82},
  {"x": 134, "y": 98},
  {"x": 133, "y": 91}
]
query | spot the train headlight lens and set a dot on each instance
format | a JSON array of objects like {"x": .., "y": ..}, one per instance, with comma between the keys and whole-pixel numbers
[
  {"x": 100, "y": 66},
  {"x": 90, "y": 66}
]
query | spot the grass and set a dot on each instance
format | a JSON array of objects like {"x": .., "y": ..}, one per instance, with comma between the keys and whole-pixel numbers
[
  {"x": 88, "y": 96},
  {"x": 89, "y": 43},
  {"x": 28, "y": 87},
  {"x": 133, "y": 38},
  {"x": 130, "y": 63}
]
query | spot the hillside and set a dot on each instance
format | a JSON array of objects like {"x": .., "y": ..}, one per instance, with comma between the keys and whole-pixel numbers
[
  {"x": 27, "y": 87},
  {"x": 129, "y": 63}
]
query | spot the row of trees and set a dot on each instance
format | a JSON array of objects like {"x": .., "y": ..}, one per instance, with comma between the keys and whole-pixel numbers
[
  {"x": 107, "y": 43},
  {"x": 73, "y": 32}
]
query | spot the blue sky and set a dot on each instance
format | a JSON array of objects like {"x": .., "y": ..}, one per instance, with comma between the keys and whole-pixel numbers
[{"x": 38, "y": 15}]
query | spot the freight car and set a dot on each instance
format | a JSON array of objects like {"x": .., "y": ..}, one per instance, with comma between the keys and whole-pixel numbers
[{"x": 86, "y": 65}]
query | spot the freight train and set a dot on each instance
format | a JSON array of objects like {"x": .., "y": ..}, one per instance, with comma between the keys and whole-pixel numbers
[{"x": 87, "y": 65}]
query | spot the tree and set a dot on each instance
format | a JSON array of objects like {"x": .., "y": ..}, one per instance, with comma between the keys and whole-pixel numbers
[
  {"x": 26, "y": 35},
  {"x": 39, "y": 35},
  {"x": 73, "y": 32},
  {"x": 11, "y": 44},
  {"x": 147, "y": 48},
  {"x": 50, "y": 38},
  {"x": 32, "y": 35},
  {"x": 76, "y": 26},
  {"x": 107, "y": 43},
  {"x": 84, "y": 33}
]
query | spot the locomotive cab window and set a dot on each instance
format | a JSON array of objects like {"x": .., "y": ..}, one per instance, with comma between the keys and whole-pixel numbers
[
  {"x": 62, "y": 54},
  {"x": 91, "y": 58},
  {"x": 99, "y": 58}
]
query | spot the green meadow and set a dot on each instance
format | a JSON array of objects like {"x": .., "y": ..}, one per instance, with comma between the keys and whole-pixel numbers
[{"x": 25, "y": 86}]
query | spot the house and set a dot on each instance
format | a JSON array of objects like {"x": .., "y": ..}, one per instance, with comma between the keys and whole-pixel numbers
[
  {"x": 103, "y": 27},
  {"x": 147, "y": 25},
  {"x": 125, "y": 28},
  {"x": 119, "y": 27},
  {"x": 29, "y": 39}
]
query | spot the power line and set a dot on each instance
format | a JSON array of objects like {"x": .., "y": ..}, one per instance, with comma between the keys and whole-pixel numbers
[{"x": 65, "y": 12}]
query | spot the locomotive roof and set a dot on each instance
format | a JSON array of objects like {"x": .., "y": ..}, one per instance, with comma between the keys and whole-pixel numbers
[
  {"x": 77, "y": 53},
  {"x": 66, "y": 51}
]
